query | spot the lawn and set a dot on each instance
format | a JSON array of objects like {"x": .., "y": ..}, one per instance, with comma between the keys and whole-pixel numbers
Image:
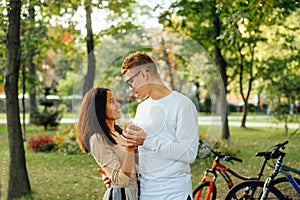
[{"x": 58, "y": 176}]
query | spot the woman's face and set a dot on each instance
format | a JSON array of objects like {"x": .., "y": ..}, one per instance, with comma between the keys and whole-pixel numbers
[{"x": 113, "y": 107}]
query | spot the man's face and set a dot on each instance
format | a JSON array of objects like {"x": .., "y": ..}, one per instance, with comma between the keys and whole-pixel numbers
[{"x": 135, "y": 78}]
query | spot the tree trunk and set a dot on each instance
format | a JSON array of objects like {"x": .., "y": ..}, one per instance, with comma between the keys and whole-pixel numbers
[
  {"x": 168, "y": 64},
  {"x": 32, "y": 68},
  {"x": 286, "y": 128},
  {"x": 23, "y": 101},
  {"x": 222, "y": 66},
  {"x": 90, "y": 76},
  {"x": 251, "y": 78},
  {"x": 245, "y": 112},
  {"x": 18, "y": 178}
]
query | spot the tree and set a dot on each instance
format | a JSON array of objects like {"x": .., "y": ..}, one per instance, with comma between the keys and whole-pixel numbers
[
  {"x": 284, "y": 92},
  {"x": 281, "y": 71},
  {"x": 118, "y": 8},
  {"x": 31, "y": 48},
  {"x": 243, "y": 34},
  {"x": 18, "y": 178},
  {"x": 201, "y": 21},
  {"x": 90, "y": 76}
]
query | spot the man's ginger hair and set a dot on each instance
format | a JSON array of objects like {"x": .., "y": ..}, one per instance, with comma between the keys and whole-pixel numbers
[{"x": 136, "y": 59}]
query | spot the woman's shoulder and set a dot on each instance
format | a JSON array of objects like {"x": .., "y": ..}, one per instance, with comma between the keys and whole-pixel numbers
[{"x": 97, "y": 138}]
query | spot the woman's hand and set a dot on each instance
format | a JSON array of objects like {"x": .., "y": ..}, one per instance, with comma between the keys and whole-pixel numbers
[{"x": 133, "y": 135}]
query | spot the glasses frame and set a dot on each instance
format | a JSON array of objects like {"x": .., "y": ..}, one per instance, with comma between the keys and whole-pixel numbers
[{"x": 128, "y": 81}]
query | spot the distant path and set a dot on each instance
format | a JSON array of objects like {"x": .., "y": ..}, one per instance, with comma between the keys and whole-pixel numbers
[
  {"x": 208, "y": 120},
  {"x": 236, "y": 121}
]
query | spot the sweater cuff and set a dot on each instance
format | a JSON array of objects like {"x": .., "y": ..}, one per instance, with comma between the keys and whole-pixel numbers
[{"x": 122, "y": 179}]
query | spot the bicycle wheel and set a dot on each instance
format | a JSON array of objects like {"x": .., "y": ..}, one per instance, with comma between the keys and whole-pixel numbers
[
  {"x": 250, "y": 190},
  {"x": 284, "y": 186},
  {"x": 202, "y": 190}
]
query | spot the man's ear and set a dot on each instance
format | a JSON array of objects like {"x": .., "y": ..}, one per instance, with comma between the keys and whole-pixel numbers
[{"x": 145, "y": 74}]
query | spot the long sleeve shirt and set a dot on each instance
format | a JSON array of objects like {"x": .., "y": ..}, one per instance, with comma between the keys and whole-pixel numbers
[
  {"x": 171, "y": 124},
  {"x": 110, "y": 158}
]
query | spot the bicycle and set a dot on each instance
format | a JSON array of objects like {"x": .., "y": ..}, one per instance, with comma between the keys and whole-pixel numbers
[
  {"x": 207, "y": 188},
  {"x": 283, "y": 169},
  {"x": 273, "y": 187}
]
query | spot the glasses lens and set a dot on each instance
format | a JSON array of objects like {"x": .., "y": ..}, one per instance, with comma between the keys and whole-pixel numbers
[{"x": 129, "y": 81}]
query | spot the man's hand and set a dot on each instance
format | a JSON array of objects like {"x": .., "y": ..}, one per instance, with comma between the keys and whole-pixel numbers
[
  {"x": 133, "y": 135},
  {"x": 105, "y": 178}
]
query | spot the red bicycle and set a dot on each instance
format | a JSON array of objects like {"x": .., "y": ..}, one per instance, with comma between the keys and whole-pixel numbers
[{"x": 207, "y": 188}]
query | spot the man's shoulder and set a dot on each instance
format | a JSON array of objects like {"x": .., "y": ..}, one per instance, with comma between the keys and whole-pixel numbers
[
  {"x": 144, "y": 102},
  {"x": 184, "y": 102},
  {"x": 181, "y": 97}
]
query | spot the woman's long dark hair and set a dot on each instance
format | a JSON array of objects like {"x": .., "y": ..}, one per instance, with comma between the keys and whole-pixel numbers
[
  {"x": 92, "y": 118},
  {"x": 100, "y": 106}
]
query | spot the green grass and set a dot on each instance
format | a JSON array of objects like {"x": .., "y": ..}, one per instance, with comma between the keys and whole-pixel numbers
[
  {"x": 244, "y": 143},
  {"x": 58, "y": 176},
  {"x": 54, "y": 175}
]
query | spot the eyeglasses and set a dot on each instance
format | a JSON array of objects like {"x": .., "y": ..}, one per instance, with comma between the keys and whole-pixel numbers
[{"x": 129, "y": 81}]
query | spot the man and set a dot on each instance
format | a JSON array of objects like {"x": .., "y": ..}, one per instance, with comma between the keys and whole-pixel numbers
[{"x": 168, "y": 140}]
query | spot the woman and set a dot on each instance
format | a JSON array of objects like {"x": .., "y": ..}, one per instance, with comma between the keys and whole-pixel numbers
[{"x": 97, "y": 133}]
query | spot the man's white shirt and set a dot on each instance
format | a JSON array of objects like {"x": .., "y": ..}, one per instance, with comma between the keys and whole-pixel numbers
[{"x": 171, "y": 124}]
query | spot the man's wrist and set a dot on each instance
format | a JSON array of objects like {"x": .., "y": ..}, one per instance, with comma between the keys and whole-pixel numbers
[{"x": 131, "y": 149}]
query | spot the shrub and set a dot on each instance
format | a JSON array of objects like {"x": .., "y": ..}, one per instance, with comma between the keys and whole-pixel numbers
[
  {"x": 41, "y": 143},
  {"x": 66, "y": 141}
]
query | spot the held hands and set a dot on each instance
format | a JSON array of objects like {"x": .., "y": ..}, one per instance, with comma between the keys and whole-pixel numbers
[{"x": 133, "y": 135}]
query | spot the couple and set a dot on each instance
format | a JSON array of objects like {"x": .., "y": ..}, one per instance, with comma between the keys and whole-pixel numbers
[{"x": 164, "y": 132}]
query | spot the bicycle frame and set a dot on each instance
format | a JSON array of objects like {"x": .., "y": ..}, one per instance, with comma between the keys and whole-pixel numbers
[
  {"x": 284, "y": 169},
  {"x": 222, "y": 169}
]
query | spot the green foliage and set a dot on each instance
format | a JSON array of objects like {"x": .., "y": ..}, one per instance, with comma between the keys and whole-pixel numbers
[
  {"x": 246, "y": 31},
  {"x": 3, "y": 34},
  {"x": 49, "y": 115},
  {"x": 280, "y": 111},
  {"x": 66, "y": 141},
  {"x": 206, "y": 106},
  {"x": 132, "y": 108},
  {"x": 65, "y": 86}
]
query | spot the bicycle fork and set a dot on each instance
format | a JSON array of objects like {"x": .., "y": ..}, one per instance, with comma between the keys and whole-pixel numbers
[
  {"x": 266, "y": 189},
  {"x": 210, "y": 189},
  {"x": 269, "y": 180}
]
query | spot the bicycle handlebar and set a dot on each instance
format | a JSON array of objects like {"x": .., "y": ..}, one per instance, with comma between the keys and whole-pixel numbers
[
  {"x": 281, "y": 144},
  {"x": 274, "y": 153},
  {"x": 232, "y": 158},
  {"x": 225, "y": 157}
]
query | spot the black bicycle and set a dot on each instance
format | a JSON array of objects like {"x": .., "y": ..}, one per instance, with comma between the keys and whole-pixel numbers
[{"x": 253, "y": 189}]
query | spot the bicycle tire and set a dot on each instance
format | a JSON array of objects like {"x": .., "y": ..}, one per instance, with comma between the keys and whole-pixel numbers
[
  {"x": 251, "y": 190},
  {"x": 284, "y": 186},
  {"x": 205, "y": 186}
]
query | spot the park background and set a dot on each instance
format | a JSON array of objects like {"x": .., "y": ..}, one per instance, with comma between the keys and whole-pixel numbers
[{"x": 253, "y": 44}]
